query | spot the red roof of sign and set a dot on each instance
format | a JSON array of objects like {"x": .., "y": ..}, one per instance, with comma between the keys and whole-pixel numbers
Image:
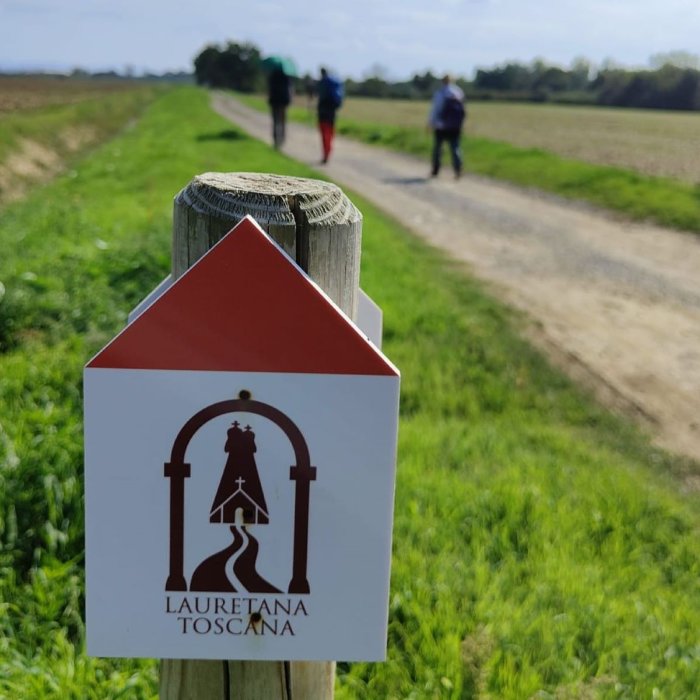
[{"x": 244, "y": 306}]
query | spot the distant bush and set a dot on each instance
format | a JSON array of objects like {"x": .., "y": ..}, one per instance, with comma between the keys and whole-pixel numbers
[{"x": 234, "y": 66}]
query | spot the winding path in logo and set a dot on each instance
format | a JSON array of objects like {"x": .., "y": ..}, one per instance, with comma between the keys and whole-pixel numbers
[
  {"x": 244, "y": 568},
  {"x": 240, "y": 557},
  {"x": 230, "y": 566}
]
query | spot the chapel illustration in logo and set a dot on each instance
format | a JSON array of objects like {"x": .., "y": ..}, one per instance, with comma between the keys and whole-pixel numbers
[{"x": 239, "y": 502}]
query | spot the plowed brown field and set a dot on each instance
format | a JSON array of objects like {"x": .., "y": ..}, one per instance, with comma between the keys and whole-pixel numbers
[{"x": 31, "y": 92}]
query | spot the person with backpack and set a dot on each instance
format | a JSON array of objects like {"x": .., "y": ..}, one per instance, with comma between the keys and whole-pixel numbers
[
  {"x": 447, "y": 116},
  {"x": 330, "y": 97}
]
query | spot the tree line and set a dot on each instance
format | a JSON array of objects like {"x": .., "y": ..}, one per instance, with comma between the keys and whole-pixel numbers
[
  {"x": 668, "y": 86},
  {"x": 672, "y": 83}
]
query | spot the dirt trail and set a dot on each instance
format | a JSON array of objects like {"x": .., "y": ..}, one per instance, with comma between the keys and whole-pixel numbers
[{"x": 616, "y": 304}]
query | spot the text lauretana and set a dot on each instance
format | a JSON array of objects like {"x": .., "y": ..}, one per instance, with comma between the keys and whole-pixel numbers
[{"x": 234, "y": 615}]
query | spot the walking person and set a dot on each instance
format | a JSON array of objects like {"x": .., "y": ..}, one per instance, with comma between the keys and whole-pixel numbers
[
  {"x": 279, "y": 95},
  {"x": 330, "y": 97},
  {"x": 446, "y": 119}
]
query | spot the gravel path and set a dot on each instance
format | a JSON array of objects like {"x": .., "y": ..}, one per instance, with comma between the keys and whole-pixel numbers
[{"x": 616, "y": 304}]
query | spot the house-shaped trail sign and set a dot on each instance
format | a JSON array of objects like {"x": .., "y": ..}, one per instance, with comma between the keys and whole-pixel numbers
[{"x": 240, "y": 445}]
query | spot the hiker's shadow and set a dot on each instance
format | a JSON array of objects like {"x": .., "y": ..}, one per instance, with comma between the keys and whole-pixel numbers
[
  {"x": 406, "y": 180},
  {"x": 225, "y": 135}
]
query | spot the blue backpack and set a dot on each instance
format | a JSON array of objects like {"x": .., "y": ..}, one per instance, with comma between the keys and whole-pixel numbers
[
  {"x": 334, "y": 89},
  {"x": 452, "y": 113}
]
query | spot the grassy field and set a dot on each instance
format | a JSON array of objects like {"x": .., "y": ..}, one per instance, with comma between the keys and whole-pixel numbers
[
  {"x": 534, "y": 155},
  {"x": 542, "y": 548}
]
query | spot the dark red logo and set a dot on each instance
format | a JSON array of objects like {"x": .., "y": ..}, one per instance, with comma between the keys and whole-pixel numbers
[{"x": 239, "y": 502}]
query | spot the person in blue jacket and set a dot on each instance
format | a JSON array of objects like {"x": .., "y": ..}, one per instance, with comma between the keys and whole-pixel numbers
[
  {"x": 330, "y": 97},
  {"x": 446, "y": 118}
]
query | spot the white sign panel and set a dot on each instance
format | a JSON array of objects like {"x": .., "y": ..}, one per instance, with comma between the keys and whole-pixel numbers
[{"x": 283, "y": 513}]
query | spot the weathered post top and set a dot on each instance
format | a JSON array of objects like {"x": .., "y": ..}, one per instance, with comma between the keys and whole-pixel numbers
[{"x": 312, "y": 220}]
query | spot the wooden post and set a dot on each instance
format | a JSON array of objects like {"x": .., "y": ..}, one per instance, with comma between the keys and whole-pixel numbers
[{"x": 318, "y": 226}]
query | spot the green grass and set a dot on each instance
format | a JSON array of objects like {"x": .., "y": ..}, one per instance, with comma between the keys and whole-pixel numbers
[
  {"x": 542, "y": 548},
  {"x": 641, "y": 197}
]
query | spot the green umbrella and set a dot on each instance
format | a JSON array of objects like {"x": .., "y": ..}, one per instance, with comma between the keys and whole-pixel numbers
[{"x": 286, "y": 65}]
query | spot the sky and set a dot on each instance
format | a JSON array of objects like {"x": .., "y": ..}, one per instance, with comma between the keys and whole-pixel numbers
[{"x": 356, "y": 38}]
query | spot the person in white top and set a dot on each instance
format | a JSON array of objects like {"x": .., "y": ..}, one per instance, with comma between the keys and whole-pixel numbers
[{"x": 446, "y": 119}]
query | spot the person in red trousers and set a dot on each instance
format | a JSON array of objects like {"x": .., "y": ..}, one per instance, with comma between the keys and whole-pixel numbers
[{"x": 330, "y": 97}]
